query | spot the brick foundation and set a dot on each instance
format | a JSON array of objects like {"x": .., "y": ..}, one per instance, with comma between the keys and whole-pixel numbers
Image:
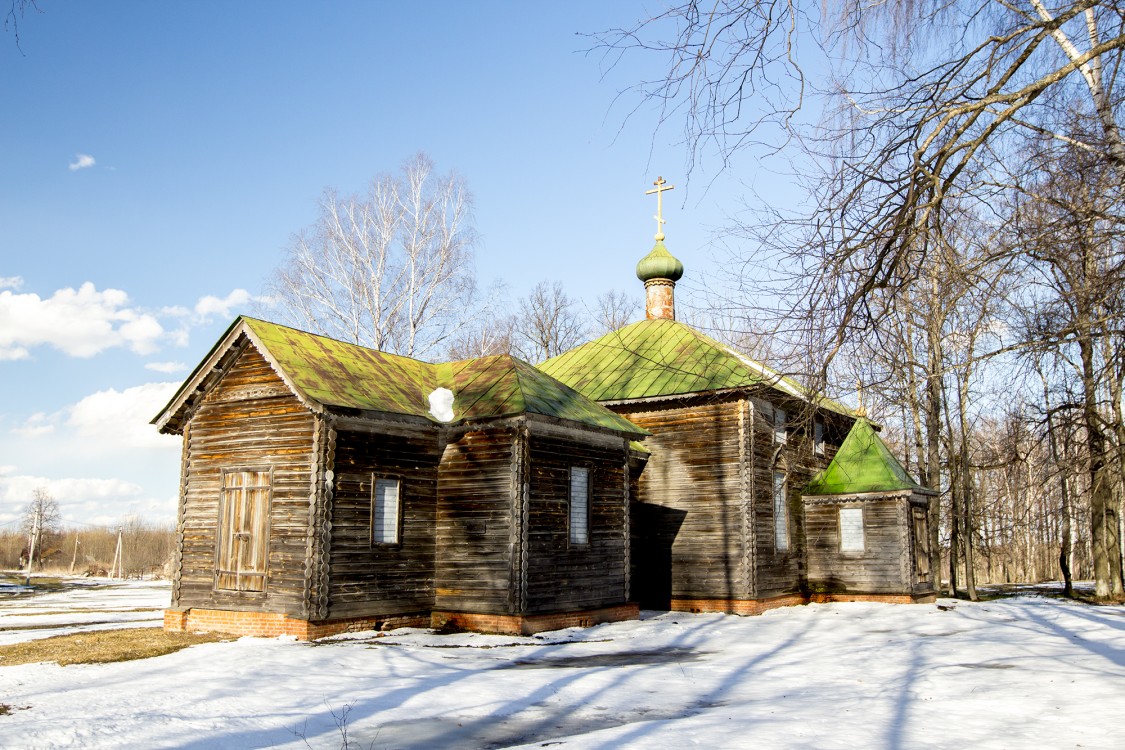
[
  {"x": 529, "y": 624},
  {"x": 883, "y": 598},
  {"x": 272, "y": 624},
  {"x": 737, "y": 606},
  {"x": 758, "y": 606}
]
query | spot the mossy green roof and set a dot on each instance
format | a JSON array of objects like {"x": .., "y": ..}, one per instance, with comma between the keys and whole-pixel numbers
[
  {"x": 338, "y": 375},
  {"x": 864, "y": 463},
  {"x": 335, "y": 373},
  {"x": 664, "y": 358}
]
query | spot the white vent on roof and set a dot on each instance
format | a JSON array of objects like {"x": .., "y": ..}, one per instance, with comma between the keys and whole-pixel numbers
[{"x": 441, "y": 404}]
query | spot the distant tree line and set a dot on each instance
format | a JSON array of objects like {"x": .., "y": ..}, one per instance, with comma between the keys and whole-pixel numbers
[{"x": 90, "y": 550}]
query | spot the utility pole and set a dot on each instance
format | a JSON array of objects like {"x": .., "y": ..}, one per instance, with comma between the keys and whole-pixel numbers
[
  {"x": 117, "y": 569},
  {"x": 75, "y": 558}
]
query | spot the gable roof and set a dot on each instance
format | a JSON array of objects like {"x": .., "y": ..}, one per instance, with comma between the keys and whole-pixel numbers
[
  {"x": 864, "y": 463},
  {"x": 326, "y": 374},
  {"x": 665, "y": 358}
]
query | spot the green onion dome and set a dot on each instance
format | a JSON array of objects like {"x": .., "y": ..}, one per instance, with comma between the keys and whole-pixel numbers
[{"x": 660, "y": 264}]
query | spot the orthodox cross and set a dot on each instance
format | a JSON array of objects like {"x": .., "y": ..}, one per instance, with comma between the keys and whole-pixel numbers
[{"x": 659, "y": 190}]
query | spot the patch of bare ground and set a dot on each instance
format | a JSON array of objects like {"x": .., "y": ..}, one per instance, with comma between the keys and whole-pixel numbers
[{"x": 102, "y": 646}]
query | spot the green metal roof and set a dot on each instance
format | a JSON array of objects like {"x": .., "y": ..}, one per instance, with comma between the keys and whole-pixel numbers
[
  {"x": 335, "y": 374},
  {"x": 664, "y": 358},
  {"x": 863, "y": 464},
  {"x": 502, "y": 385}
]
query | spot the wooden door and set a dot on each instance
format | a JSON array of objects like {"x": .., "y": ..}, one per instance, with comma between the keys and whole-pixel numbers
[{"x": 243, "y": 543}]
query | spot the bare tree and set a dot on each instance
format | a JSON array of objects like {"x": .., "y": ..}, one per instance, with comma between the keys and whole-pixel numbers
[
  {"x": 14, "y": 15},
  {"x": 40, "y": 523},
  {"x": 926, "y": 113},
  {"x": 614, "y": 309},
  {"x": 922, "y": 99},
  {"x": 1070, "y": 222},
  {"x": 391, "y": 269},
  {"x": 490, "y": 338},
  {"x": 547, "y": 323}
]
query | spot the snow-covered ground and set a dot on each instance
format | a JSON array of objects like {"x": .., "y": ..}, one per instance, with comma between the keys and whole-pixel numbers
[{"x": 1017, "y": 673}]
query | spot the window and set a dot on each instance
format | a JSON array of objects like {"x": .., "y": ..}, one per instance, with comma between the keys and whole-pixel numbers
[
  {"x": 818, "y": 438},
  {"x": 851, "y": 529},
  {"x": 384, "y": 511},
  {"x": 579, "y": 505},
  {"x": 243, "y": 540},
  {"x": 779, "y": 435},
  {"x": 780, "y": 513}
]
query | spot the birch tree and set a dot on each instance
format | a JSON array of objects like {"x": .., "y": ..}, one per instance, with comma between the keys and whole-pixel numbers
[{"x": 391, "y": 269}]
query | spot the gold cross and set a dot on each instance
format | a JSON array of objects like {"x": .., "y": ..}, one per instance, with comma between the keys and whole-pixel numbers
[{"x": 659, "y": 190}]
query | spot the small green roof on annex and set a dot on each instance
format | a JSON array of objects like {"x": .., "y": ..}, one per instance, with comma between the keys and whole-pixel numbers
[
  {"x": 662, "y": 357},
  {"x": 864, "y": 463}
]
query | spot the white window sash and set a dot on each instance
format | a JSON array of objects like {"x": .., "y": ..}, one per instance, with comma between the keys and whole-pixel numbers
[
  {"x": 385, "y": 511},
  {"x": 579, "y": 505},
  {"x": 851, "y": 530}
]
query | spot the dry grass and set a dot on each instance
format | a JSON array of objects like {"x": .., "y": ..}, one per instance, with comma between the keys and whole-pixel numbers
[{"x": 102, "y": 646}]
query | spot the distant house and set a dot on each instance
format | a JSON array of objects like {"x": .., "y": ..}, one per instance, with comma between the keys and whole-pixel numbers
[{"x": 328, "y": 487}]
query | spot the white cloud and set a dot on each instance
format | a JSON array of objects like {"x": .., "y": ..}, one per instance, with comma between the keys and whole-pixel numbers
[
  {"x": 11, "y": 282},
  {"x": 80, "y": 323},
  {"x": 79, "y": 497},
  {"x": 210, "y": 306},
  {"x": 166, "y": 367},
  {"x": 81, "y": 161},
  {"x": 121, "y": 418},
  {"x": 35, "y": 425}
]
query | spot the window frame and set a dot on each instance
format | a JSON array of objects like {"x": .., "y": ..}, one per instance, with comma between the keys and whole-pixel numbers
[
  {"x": 851, "y": 510},
  {"x": 583, "y": 541},
  {"x": 372, "y": 541},
  {"x": 818, "y": 438},
  {"x": 781, "y": 531},
  {"x": 223, "y": 553}
]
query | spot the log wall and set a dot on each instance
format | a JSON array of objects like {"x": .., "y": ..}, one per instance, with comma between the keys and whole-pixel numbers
[
  {"x": 561, "y": 576},
  {"x": 477, "y": 532},
  {"x": 249, "y": 420},
  {"x": 885, "y": 564},
  {"x": 688, "y": 530},
  {"x": 383, "y": 579}
]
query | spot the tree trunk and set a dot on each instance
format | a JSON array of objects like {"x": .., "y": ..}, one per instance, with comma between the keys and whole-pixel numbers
[{"x": 1104, "y": 544}]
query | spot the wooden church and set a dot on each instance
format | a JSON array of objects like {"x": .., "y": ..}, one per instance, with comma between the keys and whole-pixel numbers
[{"x": 326, "y": 487}]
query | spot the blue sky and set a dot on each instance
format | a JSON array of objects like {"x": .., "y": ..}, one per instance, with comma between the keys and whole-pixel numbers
[{"x": 156, "y": 157}]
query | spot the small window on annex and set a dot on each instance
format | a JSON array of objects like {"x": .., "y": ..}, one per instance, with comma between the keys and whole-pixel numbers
[
  {"x": 385, "y": 511},
  {"x": 243, "y": 539},
  {"x": 818, "y": 438},
  {"x": 780, "y": 513},
  {"x": 851, "y": 529},
  {"x": 579, "y": 505}
]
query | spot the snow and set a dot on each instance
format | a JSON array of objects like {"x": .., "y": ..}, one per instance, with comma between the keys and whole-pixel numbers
[
  {"x": 1025, "y": 672},
  {"x": 441, "y": 404}
]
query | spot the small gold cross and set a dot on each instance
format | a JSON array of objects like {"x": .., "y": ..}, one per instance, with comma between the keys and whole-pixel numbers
[{"x": 659, "y": 190}]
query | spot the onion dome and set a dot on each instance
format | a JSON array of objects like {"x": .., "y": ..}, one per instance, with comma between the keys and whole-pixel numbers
[{"x": 660, "y": 264}]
